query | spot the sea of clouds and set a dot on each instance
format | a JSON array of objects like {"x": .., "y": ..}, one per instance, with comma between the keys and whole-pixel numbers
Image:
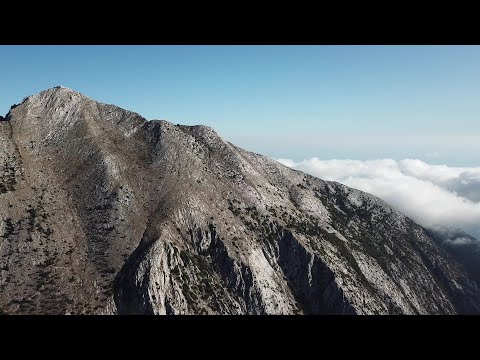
[{"x": 435, "y": 196}]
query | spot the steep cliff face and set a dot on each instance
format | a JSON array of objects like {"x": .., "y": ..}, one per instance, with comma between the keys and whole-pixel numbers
[{"x": 103, "y": 212}]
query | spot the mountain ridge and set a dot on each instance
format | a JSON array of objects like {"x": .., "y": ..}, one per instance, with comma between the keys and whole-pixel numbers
[{"x": 106, "y": 212}]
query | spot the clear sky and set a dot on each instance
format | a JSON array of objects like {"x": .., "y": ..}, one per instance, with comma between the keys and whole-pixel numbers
[{"x": 357, "y": 102}]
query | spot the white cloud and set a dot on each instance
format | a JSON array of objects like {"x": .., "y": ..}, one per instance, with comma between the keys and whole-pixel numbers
[
  {"x": 461, "y": 241},
  {"x": 287, "y": 162},
  {"x": 432, "y": 195}
]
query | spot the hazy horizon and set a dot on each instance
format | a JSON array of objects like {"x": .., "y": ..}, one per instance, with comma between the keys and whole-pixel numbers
[{"x": 298, "y": 102}]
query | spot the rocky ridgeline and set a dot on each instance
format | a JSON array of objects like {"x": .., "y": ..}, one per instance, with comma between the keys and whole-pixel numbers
[{"x": 104, "y": 212}]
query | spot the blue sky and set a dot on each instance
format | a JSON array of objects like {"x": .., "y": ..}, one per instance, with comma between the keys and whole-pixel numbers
[{"x": 357, "y": 102}]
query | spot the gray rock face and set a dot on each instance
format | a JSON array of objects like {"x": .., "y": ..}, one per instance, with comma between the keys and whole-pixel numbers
[{"x": 104, "y": 212}]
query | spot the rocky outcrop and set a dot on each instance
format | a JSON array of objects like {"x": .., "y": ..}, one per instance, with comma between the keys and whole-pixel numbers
[{"x": 105, "y": 212}]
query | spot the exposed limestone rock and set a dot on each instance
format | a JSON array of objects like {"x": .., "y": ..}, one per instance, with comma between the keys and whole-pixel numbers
[{"x": 104, "y": 212}]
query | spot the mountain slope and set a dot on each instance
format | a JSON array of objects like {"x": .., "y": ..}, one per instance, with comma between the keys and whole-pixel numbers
[
  {"x": 105, "y": 212},
  {"x": 463, "y": 247}
]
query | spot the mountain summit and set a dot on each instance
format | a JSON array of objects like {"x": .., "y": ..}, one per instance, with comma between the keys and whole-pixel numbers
[{"x": 104, "y": 212}]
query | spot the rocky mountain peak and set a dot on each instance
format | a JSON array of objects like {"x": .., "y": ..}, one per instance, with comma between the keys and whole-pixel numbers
[
  {"x": 53, "y": 94},
  {"x": 102, "y": 211}
]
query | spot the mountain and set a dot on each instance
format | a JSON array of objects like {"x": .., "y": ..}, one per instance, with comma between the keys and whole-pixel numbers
[
  {"x": 464, "y": 247},
  {"x": 103, "y": 212}
]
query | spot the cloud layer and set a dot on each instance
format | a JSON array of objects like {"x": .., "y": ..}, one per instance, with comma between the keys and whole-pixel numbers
[{"x": 435, "y": 196}]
